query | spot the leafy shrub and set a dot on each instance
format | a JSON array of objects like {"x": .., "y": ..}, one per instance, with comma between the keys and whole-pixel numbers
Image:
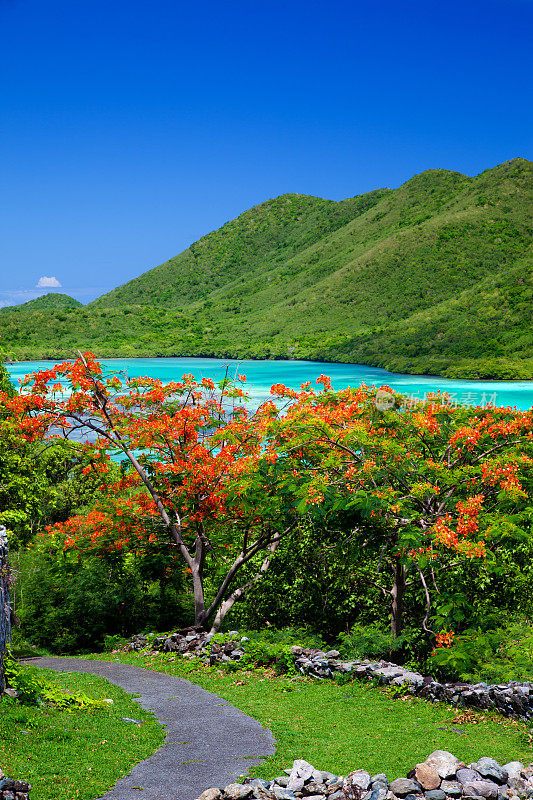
[
  {"x": 370, "y": 641},
  {"x": 494, "y": 656},
  {"x": 318, "y": 580},
  {"x": 70, "y": 605},
  {"x": 32, "y": 689},
  {"x": 271, "y": 647}
]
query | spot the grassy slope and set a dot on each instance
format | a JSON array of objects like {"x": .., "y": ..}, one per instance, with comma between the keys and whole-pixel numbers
[
  {"x": 75, "y": 754},
  {"x": 243, "y": 250},
  {"x": 434, "y": 276},
  {"x": 341, "y": 728}
]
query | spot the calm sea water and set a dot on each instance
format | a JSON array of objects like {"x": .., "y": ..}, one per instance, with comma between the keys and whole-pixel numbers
[{"x": 262, "y": 374}]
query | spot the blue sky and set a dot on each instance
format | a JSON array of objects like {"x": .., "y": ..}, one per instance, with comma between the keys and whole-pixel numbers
[{"x": 130, "y": 129}]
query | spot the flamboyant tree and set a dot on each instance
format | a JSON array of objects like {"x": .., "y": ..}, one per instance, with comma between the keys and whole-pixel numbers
[
  {"x": 200, "y": 472},
  {"x": 433, "y": 484}
]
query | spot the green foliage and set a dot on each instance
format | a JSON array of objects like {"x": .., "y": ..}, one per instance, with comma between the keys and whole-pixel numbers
[
  {"x": 70, "y": 605},
  {"x": 371, "y": 641},
  {"x": 33, "y": 689},
  {"x": 5, "y": 382},
  {"x": 272, "y": 648},
  {"x": 374, "y": 641},
  {"x": 318, "y": 579},
  {"x": 39, "y": 485},
  {"x": 494, "y": 655},
  {"x": 113, "y": 642},
  {"x": 47, "y": 301},
  {"x": 433, "y": 277}
]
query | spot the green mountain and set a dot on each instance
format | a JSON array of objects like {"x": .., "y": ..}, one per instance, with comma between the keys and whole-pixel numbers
[
  {"x": 433, "y": 277},
  {"x": 52, "y": 300}
]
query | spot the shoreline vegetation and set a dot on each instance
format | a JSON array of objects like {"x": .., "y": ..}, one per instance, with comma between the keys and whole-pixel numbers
[
  {"x": 497, "y": 370},
  {"x": 432, "y": 278}
]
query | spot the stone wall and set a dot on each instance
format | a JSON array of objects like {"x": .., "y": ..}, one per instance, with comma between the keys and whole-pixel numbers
[
  {"x": 513, "y": 699},
  {"x": 13, "y": 790},
  {"x": 440, "y": 777}
]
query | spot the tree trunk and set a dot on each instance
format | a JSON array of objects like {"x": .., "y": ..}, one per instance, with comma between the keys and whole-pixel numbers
[
  {"x": 199, "y": 599},
  {"x": 397, "y": 595},
  {"x": 239, "y": 593}
]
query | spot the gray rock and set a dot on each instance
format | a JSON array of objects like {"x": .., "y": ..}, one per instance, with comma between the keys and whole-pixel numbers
[
  {"x": 444, "y": 763},
  {"x": 332, "y": 654},
  {"x": 283, "y": 794},
  {"x": 401, "y": 787},
  {"x": 386, "y": 674},
  {"x": 338, "y": 795},
  {"x": 379, "y": 791},
  {"x": 379, "y": 778},
  {"x": 490, "y": 769},
  {"x": 295, "y": 784},
  {"x": 452, "y": 788},
  {"x": 283, "y": 780},
  {"x": 261, "y": 793},
  {"x": 259, "y": 782},
  {"x": 435, "y": 794},
  {"x": 466, "y": 774},
  {"x": 513, "y": 769},
  {"x": 486, "y": 789},
  {"x": 313, "y": 788},
  {"x": 359, "y": 778},
  {"x": 302, "y": 769},
  {"x": 519, "y": 784}
]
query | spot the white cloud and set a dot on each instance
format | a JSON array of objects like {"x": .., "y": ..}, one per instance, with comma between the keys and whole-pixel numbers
[{"x": 48, "y": 283}]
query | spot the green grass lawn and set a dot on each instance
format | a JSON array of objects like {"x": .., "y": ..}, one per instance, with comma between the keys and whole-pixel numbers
[
  {"x": 72, "y": 753},
  {"x": 344, "y": 727}
]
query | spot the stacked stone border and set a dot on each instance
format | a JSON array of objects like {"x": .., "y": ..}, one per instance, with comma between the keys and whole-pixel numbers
[
  {"x": 512, "y": 699},
  {"x": 13, "y": 790},
  {"x": 440, "y": 777}
]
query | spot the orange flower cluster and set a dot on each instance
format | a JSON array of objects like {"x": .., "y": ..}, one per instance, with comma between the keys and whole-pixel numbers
[{"x": 444, "y": 639}]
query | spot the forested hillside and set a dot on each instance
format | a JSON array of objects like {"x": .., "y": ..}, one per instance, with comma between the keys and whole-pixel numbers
[
  {"x": 432, "y": 277},
  {"x": 52, "y": 300}
]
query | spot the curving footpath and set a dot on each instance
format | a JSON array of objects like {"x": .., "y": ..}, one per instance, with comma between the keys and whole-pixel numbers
[{"x": 208, "y": 741}]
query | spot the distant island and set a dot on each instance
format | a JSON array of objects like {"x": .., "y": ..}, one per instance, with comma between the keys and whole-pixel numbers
[{"x": 434, "y": 277}]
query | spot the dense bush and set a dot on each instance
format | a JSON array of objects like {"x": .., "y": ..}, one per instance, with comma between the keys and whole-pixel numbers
[
  {"x": 70, "y": 605},
  {"x": 491, "y": 654},
  {"x": 317, "y": 580}
]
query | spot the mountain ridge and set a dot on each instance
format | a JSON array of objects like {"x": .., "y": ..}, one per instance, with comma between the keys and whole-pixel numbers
[{"x": 389, "y": 278}]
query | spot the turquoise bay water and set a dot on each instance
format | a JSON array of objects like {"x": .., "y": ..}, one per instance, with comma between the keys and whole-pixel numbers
[{"x": 262, "y": 374}]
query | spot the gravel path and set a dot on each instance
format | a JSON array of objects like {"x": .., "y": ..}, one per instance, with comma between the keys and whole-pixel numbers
[{"x": 208, "y": 741}]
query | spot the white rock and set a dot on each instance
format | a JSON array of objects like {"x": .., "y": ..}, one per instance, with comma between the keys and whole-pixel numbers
[
  {"x": 302, "y": 769},
  {"x": 211, "y": 794},
  {"x": 513, "y": 768},
  {"x": 444, "y": 763}
]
